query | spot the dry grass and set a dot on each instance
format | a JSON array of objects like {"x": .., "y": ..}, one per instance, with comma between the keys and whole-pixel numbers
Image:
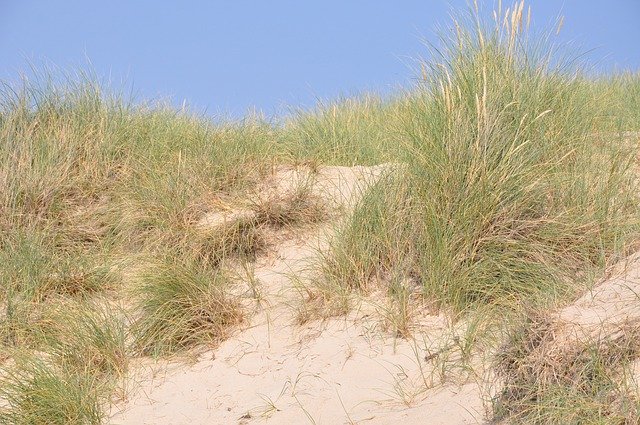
[
  {"x": 548, "y": 380},
  {"x": 296, "y": 205}
]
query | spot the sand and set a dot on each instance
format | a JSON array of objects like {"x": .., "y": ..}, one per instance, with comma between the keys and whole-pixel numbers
[{"x": 347, "y": 370}]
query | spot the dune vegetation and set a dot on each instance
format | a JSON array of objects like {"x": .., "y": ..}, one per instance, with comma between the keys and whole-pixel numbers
[{"x": 514, "y": 187}]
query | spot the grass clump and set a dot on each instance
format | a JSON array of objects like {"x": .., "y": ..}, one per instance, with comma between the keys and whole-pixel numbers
[
  {"x": 86, "y": 356},
  {"x": 182, "y": 305},
  {"x": 517, "y": 196},
  {"x": 91, "y": 338},
  {"x": 289, "y": 200},
  {"x": 383, "y": 215},
  {"x": 37, "y": 268},
  {"x": 36, "y": 392},
  {"x": 22, "y": 324},
  {"x": 37, "y": 275},
  {"x": 223, "y": 236},
  {"x": 513, "y": 192},
  {"x": 374, "y": 248}
]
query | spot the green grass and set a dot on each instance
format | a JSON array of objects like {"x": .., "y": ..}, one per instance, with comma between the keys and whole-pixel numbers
[
  {"x": 90, "y": 338},
  {"x": 346, "y": 132},
  {"x": 38, "y": 393},
  {"x": 182, "y": 305},
  {"x": 514, "y": 183},
  {"x": 514, "y": 190},
  {"x": 375, "y": 245}
]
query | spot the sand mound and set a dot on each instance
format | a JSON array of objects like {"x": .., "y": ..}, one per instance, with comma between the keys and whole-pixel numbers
[
  {"x": 346, "y": 370},
  {"x": 605, "y": 312},
  {"x": 582, "y": 349},
  {"x": 351, "y": 369}
]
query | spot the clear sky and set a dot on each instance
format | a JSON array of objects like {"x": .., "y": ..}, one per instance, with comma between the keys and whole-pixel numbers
[{"x": 230, "y": 56}]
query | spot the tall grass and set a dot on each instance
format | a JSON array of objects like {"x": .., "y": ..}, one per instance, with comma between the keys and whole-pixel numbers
[
  {"x": 346, "y": 132},
  {"x": 88, "y": 179},
  {"x": 513, "y": 183},
  {"x": 515, "y": 193},
  {"x": 622, "y": 92},
  {"x": 92, "y": 167}
]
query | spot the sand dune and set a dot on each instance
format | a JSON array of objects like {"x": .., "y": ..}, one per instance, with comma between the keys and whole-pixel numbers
[{"x": 343, "y": 370}]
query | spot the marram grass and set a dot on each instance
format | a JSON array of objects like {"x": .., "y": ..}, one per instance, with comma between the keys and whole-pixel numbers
[
  {"x": 182, "y": 305},
  {"x": 514, "y": 191},
  {"x": 514, "y": 183}
]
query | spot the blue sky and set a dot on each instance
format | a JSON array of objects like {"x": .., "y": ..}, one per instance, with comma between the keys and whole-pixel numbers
[{"x": 230, "y": 56}]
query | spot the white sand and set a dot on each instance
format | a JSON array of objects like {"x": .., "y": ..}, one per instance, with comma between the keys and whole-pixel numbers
[{"x": 343, "y": 371}]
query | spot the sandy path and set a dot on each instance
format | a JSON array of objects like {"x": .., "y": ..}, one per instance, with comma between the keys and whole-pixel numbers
[{"x": 342, "y": 371}]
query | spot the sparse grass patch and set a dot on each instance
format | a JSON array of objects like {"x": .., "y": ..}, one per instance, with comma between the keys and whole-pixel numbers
[
  {"x": 320, "y": 299},
  {"x": 239, "y": 237},
  {"x": 377, "y": 240},
  {"x": 77, "y": 275},
  {"x": 298, "y": 205},
  {"x": 373, "y": 247},
  {"x": 164, "y": 196},
  {"x": 244, "y": 230},
  {"x": 398, "y": 311}
]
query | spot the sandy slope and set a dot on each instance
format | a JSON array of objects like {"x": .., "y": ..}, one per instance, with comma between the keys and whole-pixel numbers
[
  {"x": 607, "y": 315},
  {"x": 346, "y": 370},
  {"x": 611, "y": 305}
]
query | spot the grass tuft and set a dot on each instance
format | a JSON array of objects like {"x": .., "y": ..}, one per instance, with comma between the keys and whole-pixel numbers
[
  {"x": 35, "y": 392},
  {"x": 91, "y": 339},
  {"x": 182, "y": 305},
  {"x": 289, "y": 206}
]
